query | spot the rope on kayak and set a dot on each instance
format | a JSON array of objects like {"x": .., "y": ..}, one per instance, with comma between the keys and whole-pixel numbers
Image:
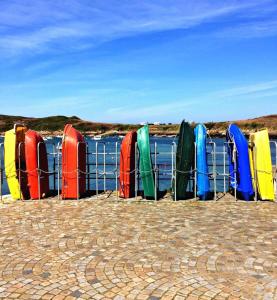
[
  {"x": 231, "y": 175},
  {"x": 133, "y": 171},
  {"x": 266, "y": 172},
  {"x": 185, "y": 172}
]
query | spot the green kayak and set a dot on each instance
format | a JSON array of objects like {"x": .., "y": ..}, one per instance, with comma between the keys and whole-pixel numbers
[
  {"x": 145, "y": 162},
  {"x": 184, "y": 160}
]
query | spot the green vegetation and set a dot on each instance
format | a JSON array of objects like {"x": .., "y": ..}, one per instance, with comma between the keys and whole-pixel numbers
[
  {"x": 55, "y": 124},
  {"x": 253, "y": 125}
]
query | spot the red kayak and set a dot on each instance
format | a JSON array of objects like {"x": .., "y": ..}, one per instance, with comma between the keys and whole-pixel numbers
[
  {"x": 73, "y": 159},
  {"x": 36, "y": 158},
  {"x": 127, "y": 166}
]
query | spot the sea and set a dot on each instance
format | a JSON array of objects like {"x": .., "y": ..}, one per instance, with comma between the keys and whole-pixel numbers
[{"x": 103, "y": 162}]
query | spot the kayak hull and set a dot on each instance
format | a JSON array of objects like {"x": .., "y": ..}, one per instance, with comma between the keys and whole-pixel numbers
[
  {"x": 36, "y": 158},
  {"x": 239, "y": 166},
  {"x": 262, "y": 165},
  {"x": 184, "y": 160},
  {"x": 203, "y": 185},
  {"x": 15, "y": 164},
  {"x": 73, "y": 164},
  {"x": 127, "y": 166},
  {"x": 145, "y": 163}
]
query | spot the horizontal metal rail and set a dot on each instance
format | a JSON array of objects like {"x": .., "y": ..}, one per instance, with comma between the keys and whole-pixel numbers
[{"x": 103, "y": 166}]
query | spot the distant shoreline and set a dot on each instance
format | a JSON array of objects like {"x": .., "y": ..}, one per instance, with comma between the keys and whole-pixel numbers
[
  {"x": 111, "y": 134},
  {"x": 54, "y": 125}
]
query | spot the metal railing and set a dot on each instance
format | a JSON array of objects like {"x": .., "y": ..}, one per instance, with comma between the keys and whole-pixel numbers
[{"x": 106, "y": 169}]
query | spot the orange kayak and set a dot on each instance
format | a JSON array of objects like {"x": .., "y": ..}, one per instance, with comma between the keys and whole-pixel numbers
[
  {"x": 127, "y": 166},
  {"x": 73, "y": 163},
  {"x": 36, "y": 158}
]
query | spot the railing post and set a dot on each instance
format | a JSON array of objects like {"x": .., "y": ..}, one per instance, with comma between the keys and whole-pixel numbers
[
  {"x": 77, "y": 171},
  {"x": 172, "y": 167},
  {"x": 96, "y": 168},
  {"x": 275, "y": 175},
  {"x": 213, "y": 144},
  {"x": 255, "y": 172},
  {"x": 53, "y": 173},
  {"x": 172, "y": 163},
  {"x": 104, "y": 167},
  {"x": 116, "y": 169},
  {"x": 195, "y": 171},
  {"x": 224, "y": 168},
  {"x": 58, "y": 173},
  {"x": 235, "y": 170},
  {"x": 54, "y": 166},
  {"x": 19, "y": 168},
  {"x": 214, "y": 169},
  {"x": 38, "y": 169},
  {"x": 88, "y": 167},
  {"x": 136, "y": 171},
  {"x": 175, "y": 181},
  {"x": 1, "y": 173},
  {"x": 155, "y": 172}
]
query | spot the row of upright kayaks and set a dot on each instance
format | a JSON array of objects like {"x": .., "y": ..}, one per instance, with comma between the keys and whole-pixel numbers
[
  {"x": 27, "y": 173},
  {"x": 26, "y": 164},
  {"x": 250, "y": 166}
]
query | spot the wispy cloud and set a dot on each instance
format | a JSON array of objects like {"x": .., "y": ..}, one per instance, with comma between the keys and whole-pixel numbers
[
  {"x": 41, "y": 39},
  {"x": 163, "y": 110},
  {"x": 256, "y": 29},
  {"x": 96, "y": 104},
  {"x": 248, "y": 89},
  {"x": 46, "y": 25}
]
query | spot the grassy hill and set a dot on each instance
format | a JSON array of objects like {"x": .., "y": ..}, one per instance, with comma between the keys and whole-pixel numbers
[
  {"x": 248, "y": 125},
  {"x": 55, "y": 124}
]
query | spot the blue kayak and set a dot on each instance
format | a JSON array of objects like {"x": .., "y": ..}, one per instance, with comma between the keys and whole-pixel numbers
[
  {"x": 240, "y": 172},
  {"x": 203, "y": 185}
]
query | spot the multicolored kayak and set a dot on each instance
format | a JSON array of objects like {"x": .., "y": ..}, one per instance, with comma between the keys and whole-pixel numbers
[
  {"x": 145, "y": 163},
  {"x": 36, "y": 158},
  {"x": 15, "y": 164},
  {"x": 261, "y": 164},
  {"x": 127, "y": 165},
  {"x": 184, "y": 160},
  {"x": 73, "y": 163},
  {"x": 203, "y": 185},
  {"x": 239, "y": 164}
]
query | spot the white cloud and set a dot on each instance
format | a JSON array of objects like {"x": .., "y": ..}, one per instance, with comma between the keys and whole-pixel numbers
[
  {"x": 95, "y": 104},
  {"x": 42, "y": 25},
  {"x": 248, "y": 89},
  {"x": 256, "y": 29},
  {"x": 163, "y": 110}
]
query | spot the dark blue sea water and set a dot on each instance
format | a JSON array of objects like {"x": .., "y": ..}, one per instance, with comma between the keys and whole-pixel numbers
[{"x": 108, "y": 150}]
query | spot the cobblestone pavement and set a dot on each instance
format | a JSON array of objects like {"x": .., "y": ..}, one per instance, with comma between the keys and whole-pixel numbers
[{"x": 107, "y": 249}]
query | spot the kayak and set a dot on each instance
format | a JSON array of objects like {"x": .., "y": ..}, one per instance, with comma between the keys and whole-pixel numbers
[
  {"x": 127, "y": 166},
  {"x": 261, "y": 164},
  {"x": 239, "y": 163},
  {"x": 73, "y": 163},
  {"x": 203, "y": 185},
  {"x": 15, "y": 164},
  {"x": 145, "y": 163},
  {"x": 184, "y": 160},
  {"x": 36, "y": 158}
]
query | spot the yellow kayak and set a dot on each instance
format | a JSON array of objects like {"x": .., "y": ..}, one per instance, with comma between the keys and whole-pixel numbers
[
  {"x": 17, "y": 181},
  {"x": 261, "y": 165}
]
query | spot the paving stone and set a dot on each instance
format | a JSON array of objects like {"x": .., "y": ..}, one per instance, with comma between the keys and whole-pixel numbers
[
  {"x": 45, "y": 275},
  {"x": 27, "y": 272},
  {"x": 76, "y": 294},
  {"x": 109, "y": 249}
]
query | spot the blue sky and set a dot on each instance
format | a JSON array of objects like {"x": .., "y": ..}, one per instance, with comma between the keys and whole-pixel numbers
[{"x": 131, "y": 61}]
